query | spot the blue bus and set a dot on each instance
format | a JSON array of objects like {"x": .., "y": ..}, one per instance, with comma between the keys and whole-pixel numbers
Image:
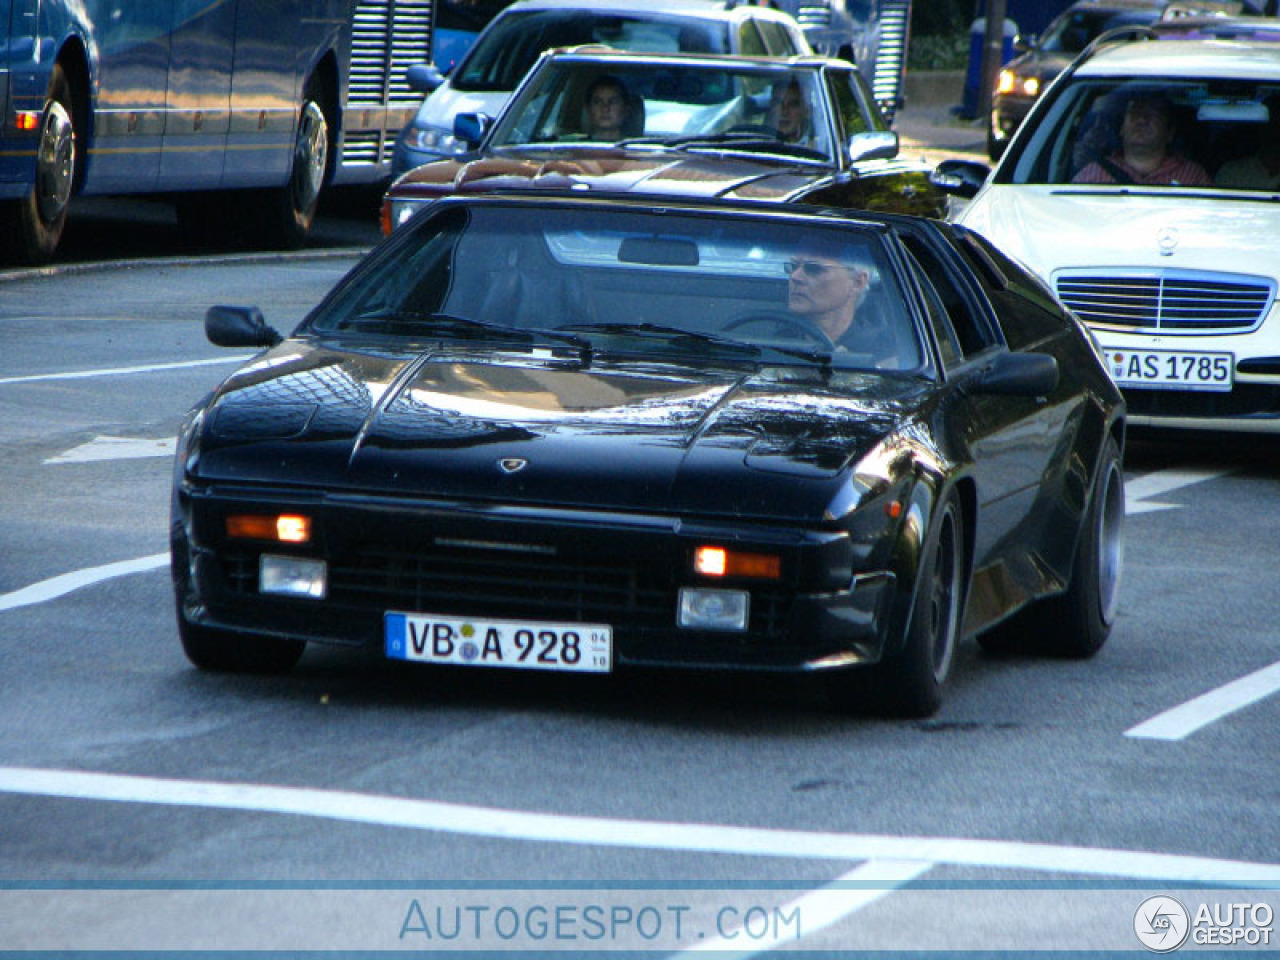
[{"x": 241, "y": 110}]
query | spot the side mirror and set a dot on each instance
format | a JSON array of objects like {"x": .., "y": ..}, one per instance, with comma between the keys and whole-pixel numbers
[
  {"x": 961, "y": 178},
  {"x": 873, "y": 145},
  {"x": 423, "y": 77},
  {"x": 1019, "y": 375},
  {"x": 471, "y": 127},
  {"x": 239, "y": 327}
]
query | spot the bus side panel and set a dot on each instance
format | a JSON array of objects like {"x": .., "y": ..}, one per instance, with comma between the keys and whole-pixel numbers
[
  {"x": 195, "y": 135},
  {"x": 129, "y": 90},
  {"x": 266, "y": 91}
]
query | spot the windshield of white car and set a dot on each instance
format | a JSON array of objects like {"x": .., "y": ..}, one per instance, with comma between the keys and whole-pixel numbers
[
  {"x": 613, "y": 280},
  {"x": 504, "y": 53},
  {"x": 1153, "y": 133},
  {"x": 743, "y": 106}
]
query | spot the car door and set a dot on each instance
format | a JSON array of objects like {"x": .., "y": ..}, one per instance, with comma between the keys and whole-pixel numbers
[{"x": 1011, "y": 443}]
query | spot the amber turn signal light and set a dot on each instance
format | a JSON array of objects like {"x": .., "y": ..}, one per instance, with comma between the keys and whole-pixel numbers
[
  {"x": 719, "y": 562},
  {"x": 282, "y": 527}
]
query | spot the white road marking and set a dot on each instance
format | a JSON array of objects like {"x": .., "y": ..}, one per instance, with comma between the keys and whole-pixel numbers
[
  {"x": 117, "y": 448},
  {"x": 636, "y": 834},
  {"x": 825, "y": 906},
  {"x": 58, "y": 586},
  {"x": 1137, "y": 491},
  {"x": 124, "y": 371},
  {"x": 1186, "y": 719}
]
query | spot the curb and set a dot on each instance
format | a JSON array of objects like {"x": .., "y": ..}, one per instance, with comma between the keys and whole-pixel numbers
[{"x": 265, "y": 256}]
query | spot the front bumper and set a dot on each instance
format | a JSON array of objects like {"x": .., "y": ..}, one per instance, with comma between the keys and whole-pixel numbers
[{"x": 834, "y": 606}]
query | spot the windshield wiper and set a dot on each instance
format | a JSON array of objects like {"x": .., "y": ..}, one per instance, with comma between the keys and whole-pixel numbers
[
  {"x": 448, "y": 324},
  {"x": 667, "y": 333}
]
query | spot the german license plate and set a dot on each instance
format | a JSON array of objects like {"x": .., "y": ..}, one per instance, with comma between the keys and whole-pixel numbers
[
  {"x": 1171, "y": 369},
  {"x": 521, "y": 644}
]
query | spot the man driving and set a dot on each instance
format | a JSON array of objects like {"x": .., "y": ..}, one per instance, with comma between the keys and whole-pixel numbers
[
  {"x": 826, "y": 284},
  {"x": 1146, "y": 152}
]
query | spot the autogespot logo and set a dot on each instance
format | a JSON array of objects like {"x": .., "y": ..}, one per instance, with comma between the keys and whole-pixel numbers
[{"x": 1162, "y": 924}]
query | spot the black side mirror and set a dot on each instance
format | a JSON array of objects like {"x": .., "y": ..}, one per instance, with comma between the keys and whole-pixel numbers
[
  {"x": 962, "y": 178},
  {"x": 1019, "y": 375},
  {"x": 471, "y": 127},
  {"x": 239, "y": 327},
  {"x": 423, "y": 77}
]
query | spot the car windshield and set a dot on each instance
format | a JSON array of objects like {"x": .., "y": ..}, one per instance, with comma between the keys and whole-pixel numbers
[
  {"x": 610, "y": 279},
  {"x": 673, "y": 103},
  {"x": 1170, "y": 133},
  {"x": 506, "y": 51},
  {"x": 1076, "y": 29}
]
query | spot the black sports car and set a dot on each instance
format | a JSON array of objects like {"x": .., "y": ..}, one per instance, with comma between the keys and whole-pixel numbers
[{"x": 585, "y": 434}]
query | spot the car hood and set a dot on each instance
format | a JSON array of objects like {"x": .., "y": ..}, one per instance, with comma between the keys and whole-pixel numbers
[
  {"x": 528, "y": 427},
  {"x": 1052, "y": 228},
  {"x": 666, "y": 172},
  {"x": 444, "y": 103}
]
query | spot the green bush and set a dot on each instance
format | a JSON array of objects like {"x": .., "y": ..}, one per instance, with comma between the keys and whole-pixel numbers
[{"x": 938, "y": 52}]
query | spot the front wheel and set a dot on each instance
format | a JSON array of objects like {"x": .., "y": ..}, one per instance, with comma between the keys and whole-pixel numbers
[
  {"x": 41, "y": 215},
  {"x": 910, "y": 683}
]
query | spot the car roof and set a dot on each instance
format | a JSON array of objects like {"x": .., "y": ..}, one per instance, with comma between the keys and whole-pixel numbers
[
  {"x": 708, "y": 9},
  {"x": 598, "y": 52},
  {"x": 1229, "y": 59},
  {"x": 756, "y": 209}
]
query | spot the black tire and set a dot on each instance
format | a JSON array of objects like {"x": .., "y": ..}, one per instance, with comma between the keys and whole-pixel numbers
[
  {"x": 219, "y": 651},
  {"x": 38, "y": 218},
  {"x": 291, "y": 210},
  {"x": 1078, "y": 622},
  {"x": 910, "y": 683}
]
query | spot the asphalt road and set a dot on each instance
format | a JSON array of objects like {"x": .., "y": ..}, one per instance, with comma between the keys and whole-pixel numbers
[{"x": 352, "y": 805}]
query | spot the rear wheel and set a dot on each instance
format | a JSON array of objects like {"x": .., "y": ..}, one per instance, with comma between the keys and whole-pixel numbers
[
  {"x": 1078, "y": 622},
  {"x": 39, "y": 217},
  {"x": 910, "y": 683},
  {"x": 221, "y": 651}
]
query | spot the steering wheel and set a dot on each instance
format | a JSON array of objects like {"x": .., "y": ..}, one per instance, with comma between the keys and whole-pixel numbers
[
  {"x": 784, "y": 326},
  {"x": 760, "y": 129}
]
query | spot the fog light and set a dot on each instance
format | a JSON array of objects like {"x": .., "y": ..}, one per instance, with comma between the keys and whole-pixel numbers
[
  {"x": 292, "y": 576},
  {"x": 714, "y": 609}
]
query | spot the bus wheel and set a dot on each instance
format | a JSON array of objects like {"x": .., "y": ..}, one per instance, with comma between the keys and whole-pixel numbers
[
  {"x": 294, "y": 207},
  {"x": 40, "y": 216}
]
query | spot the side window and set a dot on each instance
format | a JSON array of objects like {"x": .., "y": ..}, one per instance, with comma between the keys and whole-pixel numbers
[
  {"x": 948, "y": 342},
  {"x": 970, "y": 328},
  {"x": 849, "y": 107},
  {"x": 749, "y": 42},
  {"x": 776, "y": 39}
]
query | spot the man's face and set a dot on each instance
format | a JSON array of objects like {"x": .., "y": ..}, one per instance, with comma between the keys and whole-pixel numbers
[
  {"x": 606, "y": 109},
  {"x": 1146, "y": 124},
  {"x": 818, "y": 285}
]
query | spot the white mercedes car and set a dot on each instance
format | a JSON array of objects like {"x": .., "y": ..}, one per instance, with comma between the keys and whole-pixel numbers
[{"x": 1144, "y": 187}]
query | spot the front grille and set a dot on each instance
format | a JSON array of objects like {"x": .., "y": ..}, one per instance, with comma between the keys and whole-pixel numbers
[
  {"x": 636, "y": 595},
  {"x": 387, "y": 37},
  {"x": 1168, "y": 301}
]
